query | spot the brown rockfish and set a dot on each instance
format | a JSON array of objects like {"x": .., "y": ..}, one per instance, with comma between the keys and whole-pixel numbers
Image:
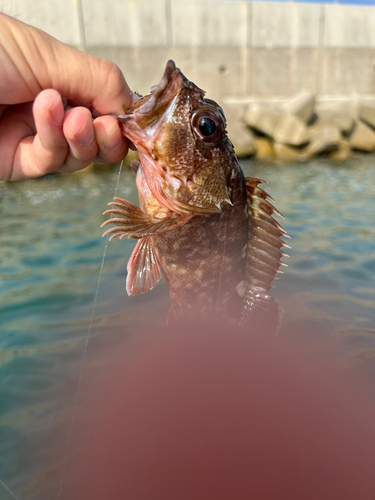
[{"x": 207, "y": 227}]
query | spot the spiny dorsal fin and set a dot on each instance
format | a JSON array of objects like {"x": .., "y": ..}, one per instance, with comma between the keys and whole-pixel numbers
[
  {"x": 263, "y": 256},
  {"x": 143, "y": 268}
]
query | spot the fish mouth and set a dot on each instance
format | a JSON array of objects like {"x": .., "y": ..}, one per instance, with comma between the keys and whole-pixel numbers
[{"x": 152, "y": 106}]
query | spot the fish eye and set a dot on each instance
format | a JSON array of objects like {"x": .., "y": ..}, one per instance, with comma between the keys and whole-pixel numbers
[{"x": 208, "y": 124}]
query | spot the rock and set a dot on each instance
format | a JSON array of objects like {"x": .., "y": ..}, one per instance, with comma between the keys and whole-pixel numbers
[
  {"x": 343, "y": 122},
  {"x": 233, "y": 110},
  {"x": 323, "y": 139},
  {"x": 362, "y": 138},
  {"x": 290, "y": 130},
  {"x": 242, "y": 139},
  {"x": 240, "y": 135},
  {"x": 264, "y": 148},
  {"x": 366, "y": 113},
  {"x": 343, "y": 152},
  {"x": 262, "y": 119},
  {"x": 344, "y": 106},
  {"x": 287, "y": 153},
  {"x": 301, "y": 106}
]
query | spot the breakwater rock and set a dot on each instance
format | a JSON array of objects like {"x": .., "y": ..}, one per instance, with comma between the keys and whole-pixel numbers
[{"x": 302, "y": 127}]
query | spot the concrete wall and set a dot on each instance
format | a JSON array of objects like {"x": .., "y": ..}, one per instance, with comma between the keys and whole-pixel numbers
[{"x": 228, "y": 47}]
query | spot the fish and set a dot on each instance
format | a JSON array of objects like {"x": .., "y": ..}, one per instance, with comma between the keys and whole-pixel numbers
[{"x": 209, "y": 229}]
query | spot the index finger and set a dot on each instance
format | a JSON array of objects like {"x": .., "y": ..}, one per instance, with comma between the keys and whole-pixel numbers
[{"x": 45, "y": 62}]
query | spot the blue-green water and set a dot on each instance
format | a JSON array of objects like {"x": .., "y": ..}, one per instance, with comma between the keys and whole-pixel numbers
[{"x": 51, "y": 252}]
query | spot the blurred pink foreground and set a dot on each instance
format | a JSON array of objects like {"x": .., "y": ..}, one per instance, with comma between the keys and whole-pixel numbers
[{"x": 211, "y": 415}]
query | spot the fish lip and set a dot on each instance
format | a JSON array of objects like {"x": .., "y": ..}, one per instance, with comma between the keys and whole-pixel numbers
[
  {"x": 148, "y": 109},
  {"x": 157, "y": 90}
]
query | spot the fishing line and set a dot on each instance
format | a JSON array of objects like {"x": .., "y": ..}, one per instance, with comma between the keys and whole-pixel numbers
[
  {"x": 85, "y": 352},
  {"x": 11, "y": 492}
]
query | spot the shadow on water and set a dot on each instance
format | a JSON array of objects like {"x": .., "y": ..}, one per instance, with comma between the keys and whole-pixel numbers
[{"x": 50, "y": 260}]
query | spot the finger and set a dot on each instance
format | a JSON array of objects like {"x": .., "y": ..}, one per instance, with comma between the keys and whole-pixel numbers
[
  {"x": 15, "y": 125},
  {"x": 33, "y": 144},
  {"x": 81, "y": 77},
  {"x": 3, "y": 109},
  {"x": 97, "y": 82},
  {"x": 50, "y": 148},
  {"x": 74, "y": 74},
  {"x": 112, "y": 145},
  {"x": 78, "y": 130}
]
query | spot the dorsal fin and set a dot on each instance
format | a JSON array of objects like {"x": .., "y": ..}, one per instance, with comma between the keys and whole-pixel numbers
[
  {"x": 143, "y": 268},
  {"x": 263, "y": 257}
]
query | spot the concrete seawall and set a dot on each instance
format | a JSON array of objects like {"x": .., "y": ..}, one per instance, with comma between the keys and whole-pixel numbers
[{"x": 229, "y": 48}]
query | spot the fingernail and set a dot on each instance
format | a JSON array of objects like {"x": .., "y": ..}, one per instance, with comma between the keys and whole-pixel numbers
[
  {"x": 57, "y": 112},
  {"x": 111, "y": 145},
  {"x": 85, "y": 134}
]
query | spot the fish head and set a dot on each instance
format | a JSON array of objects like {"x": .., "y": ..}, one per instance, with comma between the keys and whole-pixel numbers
[{"x": 182, "y": 145}]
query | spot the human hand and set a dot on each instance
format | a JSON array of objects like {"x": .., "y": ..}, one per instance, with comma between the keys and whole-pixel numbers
[{"x": 41, "y": 132}]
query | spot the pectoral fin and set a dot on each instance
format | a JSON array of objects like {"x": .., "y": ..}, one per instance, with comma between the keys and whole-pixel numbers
[
  {"x": 132, "y": 222},
  {"x": 143, "y": 268}
]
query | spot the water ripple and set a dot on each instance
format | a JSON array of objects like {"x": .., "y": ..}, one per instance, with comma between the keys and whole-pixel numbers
[{"x": 51, "y": 251}]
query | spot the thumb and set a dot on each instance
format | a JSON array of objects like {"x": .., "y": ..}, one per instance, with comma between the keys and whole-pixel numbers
[{"x": 89, "y": 79}]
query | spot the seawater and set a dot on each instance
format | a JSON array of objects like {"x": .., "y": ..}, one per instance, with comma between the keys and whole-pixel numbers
[{"x": 50, "y": 258}]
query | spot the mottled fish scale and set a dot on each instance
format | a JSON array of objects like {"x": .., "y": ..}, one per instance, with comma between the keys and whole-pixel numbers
[{"x": 207, "y": 227}]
